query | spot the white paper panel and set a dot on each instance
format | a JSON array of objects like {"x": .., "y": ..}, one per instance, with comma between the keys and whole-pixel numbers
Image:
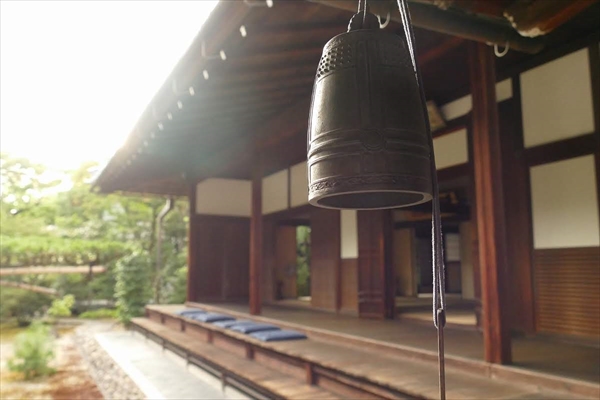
[
  {"x": 463, "y": 105},
  {"x": 557, "y": 100},
  {"x": 565, "y": 204},
  {"x": 504, "y": 90},
  {"x": 228, "y": 197},
  {"x": 452, "y": 243},
  {"x": 451, "y": 149},
  {"x": 466, "y": 261},
  {"x": 349, "y": 234},
  {"x": 275, "y": 192},
  {"x": 299, "y": 189}
]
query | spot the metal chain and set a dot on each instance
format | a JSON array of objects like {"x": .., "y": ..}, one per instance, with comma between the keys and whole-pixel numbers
[{"x": 439, "y": 300}]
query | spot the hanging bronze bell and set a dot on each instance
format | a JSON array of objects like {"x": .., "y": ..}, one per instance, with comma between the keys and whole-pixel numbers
[{"x": 368, "y": 145}]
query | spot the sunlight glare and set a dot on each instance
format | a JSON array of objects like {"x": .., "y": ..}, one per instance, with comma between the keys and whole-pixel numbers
[{"x": 76, "y": 76}]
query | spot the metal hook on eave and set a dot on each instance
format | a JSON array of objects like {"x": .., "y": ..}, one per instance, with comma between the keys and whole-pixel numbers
[
  {"x": 502, "y": 53},
  {"x": 267, "y": 3},
  {"x": 221, "y": 54},
  {"x": 387, "y": 20}
]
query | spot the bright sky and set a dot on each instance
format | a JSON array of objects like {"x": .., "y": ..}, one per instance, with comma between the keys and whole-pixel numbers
[{"x": 76, "y": 75}]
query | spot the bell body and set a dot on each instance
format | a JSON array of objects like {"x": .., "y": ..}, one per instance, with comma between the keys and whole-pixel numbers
[{"x": 368, "y": 146}]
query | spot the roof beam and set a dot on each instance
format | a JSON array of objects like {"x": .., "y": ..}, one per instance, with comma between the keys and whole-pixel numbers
[
  {"x": 539, "y": 17},
  {"x": 438, "y": 51},
  {"x": 450, "y": 23}
]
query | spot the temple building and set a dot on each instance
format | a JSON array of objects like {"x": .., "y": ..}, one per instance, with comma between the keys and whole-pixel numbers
[{"x": 513, "y": 90}]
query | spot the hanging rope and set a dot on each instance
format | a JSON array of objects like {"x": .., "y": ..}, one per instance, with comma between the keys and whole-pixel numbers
[
  {"x": 362, "y": 8},
  {"x": 439, "y": 294}
]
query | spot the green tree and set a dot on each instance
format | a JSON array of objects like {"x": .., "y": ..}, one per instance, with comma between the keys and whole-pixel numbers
[
  {"x": 23, "y": 305},
  {"x": 133, "y": 288},
  {"x": 44, "y": 226},
  {"x": 23, "y": 183}
]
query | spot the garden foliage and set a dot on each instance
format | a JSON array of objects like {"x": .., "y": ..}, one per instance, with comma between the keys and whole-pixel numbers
[
  {"x": 303, "y": 260},
  {"x": 22, "y": 305},
  {"x": 44, "y": 226},
  {"x": 133, "y": 289},
  {"x": 100, "y": 313},
  {"x": 33, "y": 351},
  {"x": 62, "y": 307}
]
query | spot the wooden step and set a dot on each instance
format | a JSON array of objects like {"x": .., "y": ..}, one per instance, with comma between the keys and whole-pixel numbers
[
  {"x": 267, "y": 381},
  {"x": 354, "y": 369}
]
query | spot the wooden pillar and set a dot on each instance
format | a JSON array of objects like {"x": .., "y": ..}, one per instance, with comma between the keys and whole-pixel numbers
[
  {"x": 490, "y": 204},
  {"x": 192, "y": 261},
  {"x": 594, "y": 55},
  {"x": 325, "y": 258},
  {"x": 256, "y": 241},
  {"x": 517, "y": 202},
  {"x": 474, "y": 242},
  {"x": 375, "y": 264}
]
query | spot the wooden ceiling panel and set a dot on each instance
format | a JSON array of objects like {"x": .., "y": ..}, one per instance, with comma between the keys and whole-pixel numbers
[{"x": 251, "y": 99}]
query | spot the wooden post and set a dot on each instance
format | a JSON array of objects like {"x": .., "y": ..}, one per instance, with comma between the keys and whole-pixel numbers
[
  {"x": 594, "y": 55},
  {"x": 474, "y": 243},
  {"x": 375, "y": 267},
  {"x": 517, "y": 202},
  {"x": 192, "y": 241},
  {"x": 489, "y": 203},
  {"x": 256, "y": 242}
]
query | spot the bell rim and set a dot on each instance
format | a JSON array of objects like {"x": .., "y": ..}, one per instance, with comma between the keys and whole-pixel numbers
[{"x": 314, "y": 199}]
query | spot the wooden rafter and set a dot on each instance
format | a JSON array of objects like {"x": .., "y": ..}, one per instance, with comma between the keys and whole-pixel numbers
[
  {"x": 32, "y": 288},
  {"x": 39, "y": 270}
]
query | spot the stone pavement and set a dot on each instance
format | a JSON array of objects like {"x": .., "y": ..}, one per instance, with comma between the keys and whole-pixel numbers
[{"x": 160, "y": 374}]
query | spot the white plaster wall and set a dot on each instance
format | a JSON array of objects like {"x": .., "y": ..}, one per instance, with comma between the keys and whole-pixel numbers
[
  {"x": 275, "y": 192},
  {"x": 557, "y": 100},
  {"x": 299, "y": 184},
  {"x": 463, "y": 105},
  {"x": 565, "y": 204},
  {"x": 451, "y": 149},
  {"x": 504, "y": 90},
  {"x": 227, "y": 197},
  {"x": 457, "y": 108},
  {"x": 349, "y": 234}
]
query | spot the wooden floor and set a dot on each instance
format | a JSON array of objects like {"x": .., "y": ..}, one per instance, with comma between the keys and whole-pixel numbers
[
  {"x": 274, "y": 384},
  {"x": 568, "y": 360},
  {"x": 389, "y": 370}
]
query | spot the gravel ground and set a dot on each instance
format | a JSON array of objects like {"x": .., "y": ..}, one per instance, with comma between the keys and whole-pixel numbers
[{"x": 109, "y": 377}]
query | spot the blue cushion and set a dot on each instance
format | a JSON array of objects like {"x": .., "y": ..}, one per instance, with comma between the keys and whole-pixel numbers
[
  {"x": 272, "y": 336},
  {"x": 211, "y": 317},
  {"x": 253, "y": 327},
  {"x": 190, "y": 311},
  {"x": 230, "y": 323}
]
